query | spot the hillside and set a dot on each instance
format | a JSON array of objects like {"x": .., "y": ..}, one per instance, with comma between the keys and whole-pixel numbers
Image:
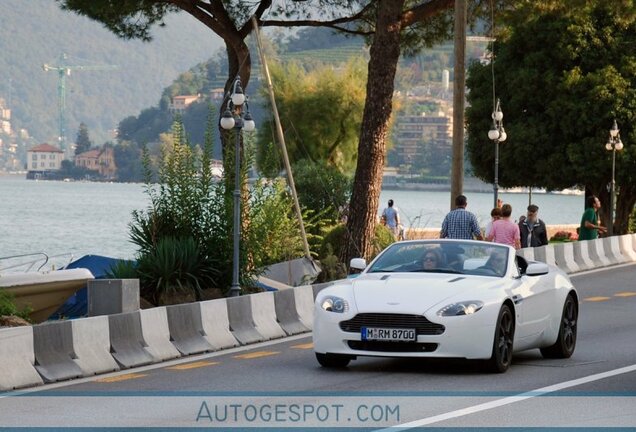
[{"x": 36, "y": 32}]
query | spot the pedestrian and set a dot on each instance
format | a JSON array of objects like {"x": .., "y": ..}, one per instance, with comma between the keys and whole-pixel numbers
[
  {"x": 590, "y": 225},
  {"x": 532, "y": 229},
  {"x": 495, "y": 214},
  {"x": 392, "y": 216},
  {"x": 504, "y": 230},
  {"x": 460, "y": 223}
]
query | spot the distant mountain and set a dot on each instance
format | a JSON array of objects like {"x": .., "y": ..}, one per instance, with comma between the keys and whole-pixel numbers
[{"x": 35, "y": 32}]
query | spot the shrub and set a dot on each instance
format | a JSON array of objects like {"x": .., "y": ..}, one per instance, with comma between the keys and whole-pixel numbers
[
  {"x": 176, "y": 266},
  {"x": 322, "y": 188},
  {"x": 8, "y": 307},
  {"x": 185, "y": 237},
  {"x": 333, "y": 243},
  {"x": 564, "y": 236}
]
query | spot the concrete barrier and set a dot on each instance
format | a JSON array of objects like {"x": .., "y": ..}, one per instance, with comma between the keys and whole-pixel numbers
[
  {"x": 545, "y": 254},
  {"x": 156, "y": 333},
  {"x": 17, "y": 359},
  {"x": 582, "y": 255},
  {"x": 633, "y": 236},
  {"x": 564, "y": 255},
  {"x": 264, "y": 315},
  {"x": 216, "y": 324},
  {"x": 287, "y": 314},
  {"x": 239, "y": 311},
  {"x": 527, "y": 253},
  {"x": 627, "y": 248},
  {"x": 54, "y": 354},
  {"x": 612, "y": 248},
  {"x": 91, "y": 344},
  {"x": 127, "y": 343},
  {"x": 186, "y": 329},
  {"x": 305, "y": 305},
  {"x": 597, "y": 253}
]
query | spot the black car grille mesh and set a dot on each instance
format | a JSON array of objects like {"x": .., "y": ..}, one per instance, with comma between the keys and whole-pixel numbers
[
  {"x": 421, "y": 325},
  {"x": 380, "y": 346}
]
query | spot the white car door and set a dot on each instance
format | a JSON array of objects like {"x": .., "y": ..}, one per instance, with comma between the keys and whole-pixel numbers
[{"x": 533, "y": 297}]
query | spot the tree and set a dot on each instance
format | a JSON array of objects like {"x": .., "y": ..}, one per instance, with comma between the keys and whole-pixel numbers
[
  {"x": 395, "y": 27},
  {"x": 560, "y": 90},
  {"x": 82, "y": 142},
  {"x": 128, "y": 161},
  {"x": 321, "y": 111}
]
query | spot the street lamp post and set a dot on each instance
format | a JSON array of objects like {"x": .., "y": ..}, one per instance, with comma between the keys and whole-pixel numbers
[
  {"x": 237, "y": 118},
  {"x": 497, "y": 134},
  {"x": 613, "y": 143}
]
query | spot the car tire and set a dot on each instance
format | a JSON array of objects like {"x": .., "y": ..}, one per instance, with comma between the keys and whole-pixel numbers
[
  {"x": 332, "y": 360},
  {"x": 566, "y": 341},
  {"x": 504, "y": 337}
]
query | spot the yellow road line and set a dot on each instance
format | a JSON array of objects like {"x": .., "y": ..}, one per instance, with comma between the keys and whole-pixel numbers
[
  {"x": 257, "y": 354},
  {"x": 625, "y": 294},
  {"x": 193, "y": 365},
  {"x": 596, "y": 299},
  {"x": 120, "y": 378},
  {"x": 309, "y": 345}
]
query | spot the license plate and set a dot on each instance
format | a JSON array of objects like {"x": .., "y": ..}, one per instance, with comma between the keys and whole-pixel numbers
[{"x": 388, "y": 334}]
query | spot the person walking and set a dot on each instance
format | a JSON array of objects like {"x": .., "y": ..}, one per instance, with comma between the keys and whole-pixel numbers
[
  {"x": 495, "y": 214},
  {"x": 590, "y": 226},
  {"x": 532, "y": 229},
  {"x": 504, "y": 230},
  {"x": 460, "y": 223},
  {"x": 392, "y": 217}
]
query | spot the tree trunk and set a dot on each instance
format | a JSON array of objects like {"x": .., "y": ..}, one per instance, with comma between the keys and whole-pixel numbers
[
  {"x": 384, "y": 56},
  {"x": 624, "y": 207}
]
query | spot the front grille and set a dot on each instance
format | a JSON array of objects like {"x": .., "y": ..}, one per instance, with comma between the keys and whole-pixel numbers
[
  {"x": 382, "y": 346},
  {"x": 421, "y": 325}
]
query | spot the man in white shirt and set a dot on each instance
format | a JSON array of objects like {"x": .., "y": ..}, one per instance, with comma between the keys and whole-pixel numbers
[{"x": 392, "y": 217}]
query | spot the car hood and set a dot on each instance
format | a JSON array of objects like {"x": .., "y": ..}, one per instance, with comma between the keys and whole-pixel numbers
[{"x": 416, "y": 293}]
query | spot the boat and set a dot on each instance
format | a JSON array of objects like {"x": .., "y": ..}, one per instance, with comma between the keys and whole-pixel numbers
[{"x": 43, "y": 292}]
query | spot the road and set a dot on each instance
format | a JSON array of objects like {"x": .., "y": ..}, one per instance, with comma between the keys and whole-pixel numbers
[{"x": 279, "y": 384}]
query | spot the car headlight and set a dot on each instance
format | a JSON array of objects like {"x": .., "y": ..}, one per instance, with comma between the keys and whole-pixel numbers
[
  {"x": 461, "y": 308},
  {"x": 335, "y": 304}
]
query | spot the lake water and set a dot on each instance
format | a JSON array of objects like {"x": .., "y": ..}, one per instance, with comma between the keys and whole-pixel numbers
[{"x": 92, "y": 218}]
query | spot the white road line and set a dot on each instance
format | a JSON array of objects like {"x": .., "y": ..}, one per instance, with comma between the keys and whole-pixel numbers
[{"x": 510, "y": 400}]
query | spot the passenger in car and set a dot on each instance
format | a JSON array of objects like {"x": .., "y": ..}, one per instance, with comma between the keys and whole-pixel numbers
[{"x": 496, "y": 262}]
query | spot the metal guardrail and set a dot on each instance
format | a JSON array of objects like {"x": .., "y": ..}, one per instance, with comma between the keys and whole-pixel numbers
[{"x": 29, "y": 265}]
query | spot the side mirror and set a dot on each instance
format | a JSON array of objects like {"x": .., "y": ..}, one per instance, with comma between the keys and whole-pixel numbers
[
  {"x": 358, "y": 263},
  {"x": 537, "y": 269}
]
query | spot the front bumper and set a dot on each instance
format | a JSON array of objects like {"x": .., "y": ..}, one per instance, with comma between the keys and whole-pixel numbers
[{"x": 469, "y": 337}]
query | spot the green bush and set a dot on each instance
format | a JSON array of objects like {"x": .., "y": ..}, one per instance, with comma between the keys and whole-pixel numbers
[
  {"x": 333, "y": 243},
  {"x": 176, "y": 266},
  {"x": 8, "y": 307},
  {"x": 190, "y": 218},
  {"x": 322, "y": 188}
]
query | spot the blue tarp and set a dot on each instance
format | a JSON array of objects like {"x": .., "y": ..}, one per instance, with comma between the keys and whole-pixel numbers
[{"x": 77, "y": 305}]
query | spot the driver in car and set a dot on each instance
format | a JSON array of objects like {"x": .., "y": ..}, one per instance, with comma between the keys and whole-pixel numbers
[
  {"x": 496, "y": 263},
  {"x": 432, "y": 259}
]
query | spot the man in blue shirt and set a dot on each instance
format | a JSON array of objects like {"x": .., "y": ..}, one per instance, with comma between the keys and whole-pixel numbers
[
  {"x": 392, "y": 217},
  {"x": 460, "y": 223}
]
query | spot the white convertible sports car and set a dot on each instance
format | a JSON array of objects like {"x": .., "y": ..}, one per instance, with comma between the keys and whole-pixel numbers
[{"x": 450, "y": 299}]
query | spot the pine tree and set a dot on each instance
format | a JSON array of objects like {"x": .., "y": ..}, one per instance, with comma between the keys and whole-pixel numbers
[{"x": 82, "y": 142}]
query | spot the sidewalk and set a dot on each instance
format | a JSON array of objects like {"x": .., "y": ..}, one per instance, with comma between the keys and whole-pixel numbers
[{"x": 429, "y": 233}]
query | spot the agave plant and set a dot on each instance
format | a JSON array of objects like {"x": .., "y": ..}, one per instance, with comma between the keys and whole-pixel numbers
[{"x": 176, "y": 266}]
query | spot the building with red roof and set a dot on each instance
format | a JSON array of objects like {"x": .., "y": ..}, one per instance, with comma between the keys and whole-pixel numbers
[{"x": 44, "y": 158}]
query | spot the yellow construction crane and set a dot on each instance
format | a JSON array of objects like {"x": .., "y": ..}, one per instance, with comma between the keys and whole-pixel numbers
[{"x": 63, "y": 68}]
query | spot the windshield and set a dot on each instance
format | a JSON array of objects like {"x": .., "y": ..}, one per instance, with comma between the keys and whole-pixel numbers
[{"x": 471, "y": 258}]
